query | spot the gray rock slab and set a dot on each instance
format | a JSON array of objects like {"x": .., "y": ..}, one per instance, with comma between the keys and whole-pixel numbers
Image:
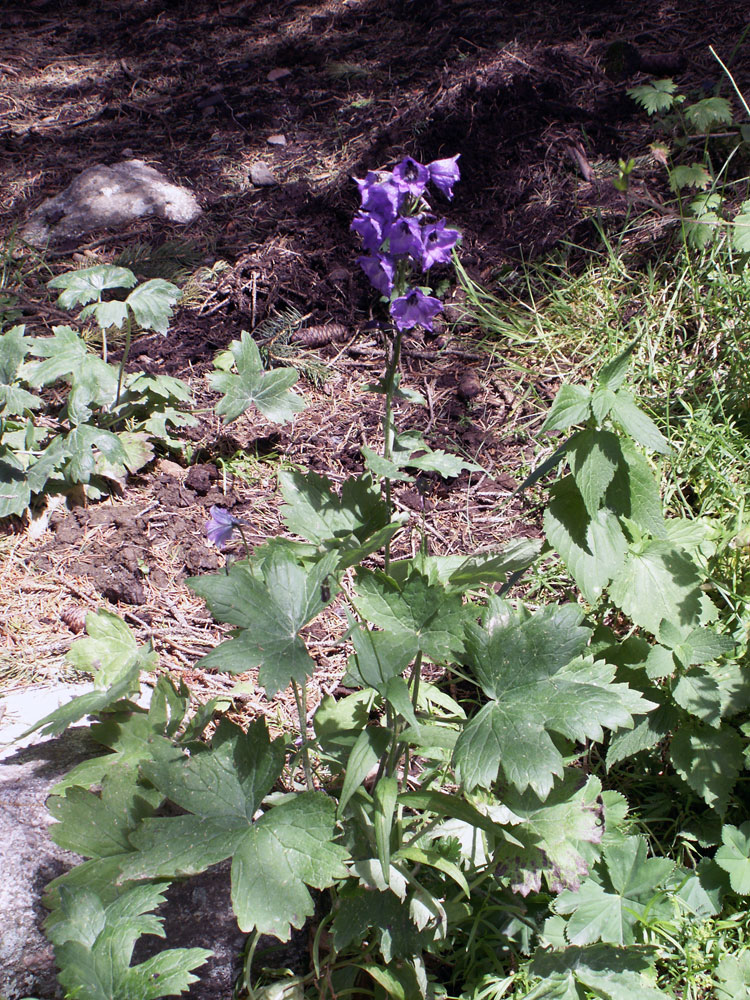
[
  {"x": 261, "y": 175},
  {"x": 197, "y": 913},
  {"x": 109, "y": 198}
]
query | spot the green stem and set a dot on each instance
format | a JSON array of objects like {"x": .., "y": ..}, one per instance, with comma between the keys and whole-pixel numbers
[
  {"x": 388, "y": 428},
  {"x": 128, "y": 335},
  {"x": 301, "y": 698}
]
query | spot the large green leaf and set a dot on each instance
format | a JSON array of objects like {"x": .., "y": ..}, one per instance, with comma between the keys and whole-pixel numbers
[
  {"x": 538, "y": 681},
  {"x": 741, "y": 229},
  {"x": 734, "y": 856},
  {"x": 599, "y": 970},
  {"x": 592, "y": 548},
  {"x": 15, "y": 491},
  {"x": 66, "y": 352},
  {"x": 557, "y": 835},
  {"x": 415, "y": 611},
  {"x": 378, "y": 657},
  {"x": 659, "y": 582},
  {"x": 386, "y": 915},
  {"x": 608, "y": 908},
  {"x": 222, "y": 788},
  {"x": 733, "y": 972},
  {"x": 82, "y": 442},
  {"x": 359, "y": 517},
  {"x": 251, "y": 386},
  {"x": 94, "y": 944},
  {"x": 709, "y": 760},
  {"x": 87, "y": 285},
  {"x": 290, "y": 847},
  {"x": 270, "y": 614},
  {"x": 636, "y": 423},
  {"x": 152, "y": 304},
  {"x": 594, "y": 459}
]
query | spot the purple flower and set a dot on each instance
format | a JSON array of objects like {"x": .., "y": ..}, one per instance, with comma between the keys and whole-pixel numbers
[
  {"x": 411, "y": 176},
  {"x": 381, "y": 198},
  {"x": 220, "y": 527},
  {"x": 415, "y": 309},
  {"x": 405, "y": 235},
  {"x": 437, "y": 243},
  {"x": 379, "y": 270},
  {"x": 444, "y": 174},
  {"x": 370, "y": 229}
]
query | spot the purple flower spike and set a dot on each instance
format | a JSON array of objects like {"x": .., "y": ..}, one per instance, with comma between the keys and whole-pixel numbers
[
  {"x": 380, "y": 271},
  {"x": 444, "y": 174},
  {"x": 220, "y": 527},
  {"x": 411, "y": 176},
  {"x": 415, "y": 309},
  {"x": 370, "y": 229},
  {"x": 405, "y": 237},
  {"x": 437, "y": 243}
]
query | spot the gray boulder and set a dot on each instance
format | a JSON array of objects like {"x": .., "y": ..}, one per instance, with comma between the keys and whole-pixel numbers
[
  {"x": 198, "y": 912},
  {"x": 108, "y": 198}
]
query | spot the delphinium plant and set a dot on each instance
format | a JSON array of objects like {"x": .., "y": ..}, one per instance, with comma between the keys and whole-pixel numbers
[{"x": 422, "y": 836}]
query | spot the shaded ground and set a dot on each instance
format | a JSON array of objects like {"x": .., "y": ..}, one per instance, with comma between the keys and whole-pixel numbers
[{"x": 531, "y": 95}]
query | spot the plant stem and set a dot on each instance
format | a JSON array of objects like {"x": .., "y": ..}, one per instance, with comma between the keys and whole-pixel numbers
[
  {"x": 388, "y": 428},
  {"x": 128, "y": 334},
  {"x": 301, "y": 698}
]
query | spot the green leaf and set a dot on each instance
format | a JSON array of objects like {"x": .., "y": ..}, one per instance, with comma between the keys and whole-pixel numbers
[
  {"x": 654, "y": 97},
  {"x": 734, "y": 856},
  {"x": 13, "y": 349},
  {"x": 270, "y": 614},
  {"x": 288, "y": 848},
  {"x": 94, "y": 944},
  {"x": 385, "y": 795},
  {"x": 733, "y": 972},
  {"x": 602, "y": 402},
  {"x": 600, "y": 970},
  {"x": 222, "y": 788},
  {"x": 572, "y": 405},
  {"x": 698, "y": 693},
  {"x": 612, "y": 375},
  {"x": 360, "y": 910},
  {"x": 367, "y": 751},
  {"x": 355, "y": 523},
  {"x": 106, "y": 314},
  {"x": 741, "y": 229},
  {"x": 703, "y": 115},
  {"x": 533, "y": 672},
  {"x": 609, "y": 910},
  {"x": 81, "y": 443},
  {"x": 251, "y": 386},
  {"x": 693, "y": 175},
  {"x": 593, "y": 549},
  {"x": 152, "y": 304},
  {"x": 485, "y": 568},
  {"x": 637, "y": 424},
  {"x": 66, "y": 353},
  {"x": 646, "y": 733},
  {"x": 415, "y": 612},
  {"x": 109, "y": 652},
  {"x": 709, "y": 760},
  {"x": 378, "y": 657},
  {"x": 659, "y": 582},
  {"x": 15, "y": 492},
  {"x": 556, "y": 835},
  {"x": 87, "y": 285},
  {"x": 594, "y": 460}
]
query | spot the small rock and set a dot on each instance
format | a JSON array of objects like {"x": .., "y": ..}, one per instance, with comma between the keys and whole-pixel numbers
[
  {"x": 168, "y": 468},
  {"x": 261, "y": 175},
  {"x": 278, "y": 74},
  {"x": 276, "y": 140},
  {"x": 109, "y": 198}
]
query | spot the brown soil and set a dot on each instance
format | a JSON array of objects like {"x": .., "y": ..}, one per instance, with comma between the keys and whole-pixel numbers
[{"x": 533, "y": 96}]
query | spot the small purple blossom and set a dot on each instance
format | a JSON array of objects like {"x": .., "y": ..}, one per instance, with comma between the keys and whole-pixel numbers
[
  {"x": 437, "y": 243},
  {"x": 220, "y": 527},
  {"x": 405, "y": 236},
  {"x": 381, "y": 198},
  {"x": 380, "y": 272},
  {"x": 415, "y": 309},
  {"x": 370, "y": 229},
  {"x": 444, "y": 174},
  {"x": 411, "y": 177}
]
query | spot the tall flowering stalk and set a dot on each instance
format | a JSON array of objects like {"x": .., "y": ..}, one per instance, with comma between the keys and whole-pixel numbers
[{"x": 403, "y": 240}]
